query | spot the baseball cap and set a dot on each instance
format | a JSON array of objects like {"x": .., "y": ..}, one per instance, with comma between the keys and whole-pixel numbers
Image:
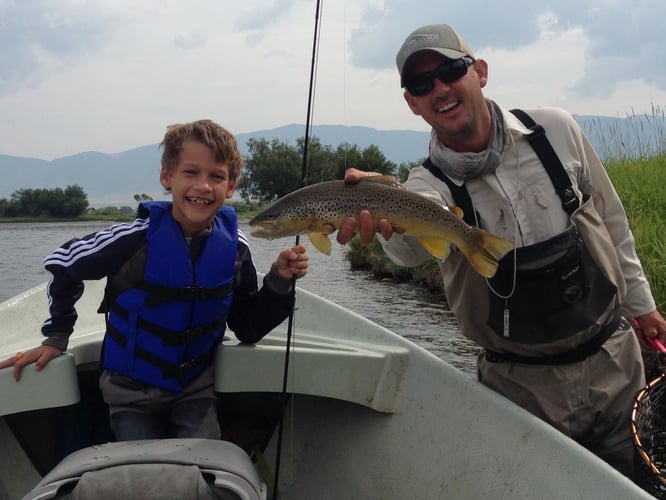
[{"x": 440, "y": 38}]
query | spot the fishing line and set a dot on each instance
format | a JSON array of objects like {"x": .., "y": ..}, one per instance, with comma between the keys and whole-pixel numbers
[
  {"x": 344, "y": 81},
  {"x": 304, "y": 175}
]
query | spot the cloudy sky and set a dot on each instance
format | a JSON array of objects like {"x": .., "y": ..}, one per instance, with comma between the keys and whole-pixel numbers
[{"x": 109, "y": 75}]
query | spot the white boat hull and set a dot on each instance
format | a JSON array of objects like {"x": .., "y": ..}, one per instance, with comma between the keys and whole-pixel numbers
[{"x": 371, "y": 415}]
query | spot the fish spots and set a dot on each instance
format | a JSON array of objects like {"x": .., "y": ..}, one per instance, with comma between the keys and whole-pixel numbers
[{"x": 309, "y": 210}]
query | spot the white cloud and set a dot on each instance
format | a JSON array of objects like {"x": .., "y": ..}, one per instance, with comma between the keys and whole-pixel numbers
[
  {"x": 540, "y": 74},
  {"x": 110, "y": 75}
]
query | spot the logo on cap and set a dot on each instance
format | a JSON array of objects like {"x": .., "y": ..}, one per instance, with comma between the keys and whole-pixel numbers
[{"x": 419, "y": 39}]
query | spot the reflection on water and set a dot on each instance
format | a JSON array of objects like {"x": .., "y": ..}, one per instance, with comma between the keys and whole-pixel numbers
[{"x": 411, "y": 312}]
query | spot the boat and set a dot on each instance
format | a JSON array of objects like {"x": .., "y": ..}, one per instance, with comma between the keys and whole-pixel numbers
[{"x": 366, "y": 414}]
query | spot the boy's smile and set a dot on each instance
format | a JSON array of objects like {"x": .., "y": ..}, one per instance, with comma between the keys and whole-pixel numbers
[{"x": 198, "y": 201}]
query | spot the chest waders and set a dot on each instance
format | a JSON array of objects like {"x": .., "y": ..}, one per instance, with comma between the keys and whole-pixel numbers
[{"x": 558, "y": 288}]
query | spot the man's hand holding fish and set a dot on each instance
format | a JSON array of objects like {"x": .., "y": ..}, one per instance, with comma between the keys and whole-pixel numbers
[{"x": 366, "y": 227}]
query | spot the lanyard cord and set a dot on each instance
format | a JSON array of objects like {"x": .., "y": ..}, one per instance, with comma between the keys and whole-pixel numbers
[
  {"x": 507, "y": 296},
  {"x": 304, "y": 173}
]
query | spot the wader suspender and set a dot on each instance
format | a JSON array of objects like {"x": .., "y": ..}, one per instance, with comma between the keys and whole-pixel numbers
[
  {"x": 546, "y": 154},
  {"x": 550, "y": 161},
  {"x": 460, "y": 194}
]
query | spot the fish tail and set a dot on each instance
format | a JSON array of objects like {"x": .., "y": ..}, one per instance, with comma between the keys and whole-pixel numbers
[{"x": 485, "y": 256}]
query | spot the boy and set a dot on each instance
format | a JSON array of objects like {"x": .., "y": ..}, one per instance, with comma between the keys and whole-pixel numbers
[{"x": 176, "y": 276}]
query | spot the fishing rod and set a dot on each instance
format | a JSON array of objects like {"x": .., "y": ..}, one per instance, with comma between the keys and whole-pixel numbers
[{"x": 304, "y": 172}]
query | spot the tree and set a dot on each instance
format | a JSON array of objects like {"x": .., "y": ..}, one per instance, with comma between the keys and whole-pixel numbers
[
  {"x": 76, "y": 201},
  {"x": 7, "y": 208},
  {"x": 25, "y": 202},
  {"x": 373, "y": 160},
  {"x": 347, "y": 156},
  {"x": 322, "y": 162},
  {"x": 404, "y": 168},
  {"x": 70, "y": 202},
  {"x": 272, "y": 170},
  {"x": 370, "y": 159},
  {"x": 53, "y": 203}
]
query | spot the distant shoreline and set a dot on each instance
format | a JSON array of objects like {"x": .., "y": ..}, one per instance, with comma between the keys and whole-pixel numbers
[
  {"x": 85, "y": 218},
  {"x": 88, "y": 218}
]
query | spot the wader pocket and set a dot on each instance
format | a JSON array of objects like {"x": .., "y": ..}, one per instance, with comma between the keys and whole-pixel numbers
[{"x": 559, "y": 290}]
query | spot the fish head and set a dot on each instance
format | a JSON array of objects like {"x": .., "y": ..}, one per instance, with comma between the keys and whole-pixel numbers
[{"x": 275, "y": 222}]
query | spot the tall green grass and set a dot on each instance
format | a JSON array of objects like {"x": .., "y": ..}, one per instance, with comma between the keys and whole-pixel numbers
[{"x": 641, "y": 185}]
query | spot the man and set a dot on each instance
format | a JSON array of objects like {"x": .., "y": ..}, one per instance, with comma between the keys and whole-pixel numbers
[{"x": 552, "y": 321}]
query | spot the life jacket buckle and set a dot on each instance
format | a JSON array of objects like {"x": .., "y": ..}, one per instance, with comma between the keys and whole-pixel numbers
[{"x": 190, "y": 293}]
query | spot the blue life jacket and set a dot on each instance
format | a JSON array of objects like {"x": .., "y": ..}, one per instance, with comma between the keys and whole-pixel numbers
[{"x": 165, "y": 329}]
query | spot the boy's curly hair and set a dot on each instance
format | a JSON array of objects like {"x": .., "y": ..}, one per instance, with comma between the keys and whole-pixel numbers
[{"x": 219, "y": 139}]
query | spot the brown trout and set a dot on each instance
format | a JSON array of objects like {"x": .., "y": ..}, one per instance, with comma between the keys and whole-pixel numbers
[{"x": 319, "y": 209}]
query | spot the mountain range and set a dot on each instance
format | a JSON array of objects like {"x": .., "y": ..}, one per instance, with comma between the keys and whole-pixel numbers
[{"x": 113, "y": 179}]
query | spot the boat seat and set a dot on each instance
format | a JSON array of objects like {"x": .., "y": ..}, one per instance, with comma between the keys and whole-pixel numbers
[{"x": 154, "y": 470}]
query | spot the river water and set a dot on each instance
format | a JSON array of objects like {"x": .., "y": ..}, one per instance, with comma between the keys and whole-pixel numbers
[{"x": 412, "y": 312}]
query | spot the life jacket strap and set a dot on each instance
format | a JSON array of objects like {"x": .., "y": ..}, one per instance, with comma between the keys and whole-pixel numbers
[
  {"x": 158, "y": 294},
  {"x": 170, "y": 337},
  {"x": 169, "y": 370}
]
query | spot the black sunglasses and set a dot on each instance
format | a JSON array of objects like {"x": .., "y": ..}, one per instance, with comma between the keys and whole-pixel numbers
[{"x": 423, "y": 83}]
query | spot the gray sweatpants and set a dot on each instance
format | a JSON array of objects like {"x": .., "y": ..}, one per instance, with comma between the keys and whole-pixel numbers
[{"x": 142, "y": 411}]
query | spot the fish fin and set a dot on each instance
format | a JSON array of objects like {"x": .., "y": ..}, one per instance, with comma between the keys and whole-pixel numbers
[
  {"x": 390, "y": 180},
  {"x": 485, "y": 257},
  {"x": 321, "y": 242},
  {"x": 457, "y": 211},
  {"x": 438, "y": 247}
]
